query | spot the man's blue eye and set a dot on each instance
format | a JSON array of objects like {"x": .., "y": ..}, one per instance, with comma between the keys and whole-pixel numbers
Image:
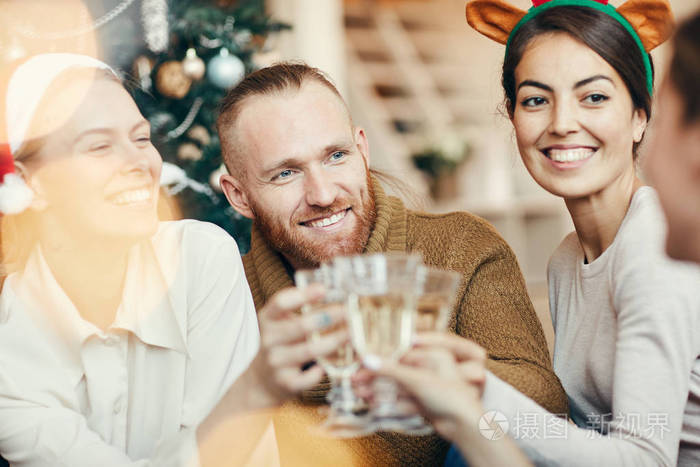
[
  {"x": 337, "y": 155},
  {"x": 284, "y": 174}
]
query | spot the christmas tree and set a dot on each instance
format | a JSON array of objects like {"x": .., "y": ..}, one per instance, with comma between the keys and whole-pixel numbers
[{"x": 194, "y": 56}]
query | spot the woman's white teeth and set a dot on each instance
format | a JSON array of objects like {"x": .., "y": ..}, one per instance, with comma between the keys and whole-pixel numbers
[
  {"x": 134, "y": 196},
  {"x": 569, "y": 155},
  {"x": 325, "y": 222}
]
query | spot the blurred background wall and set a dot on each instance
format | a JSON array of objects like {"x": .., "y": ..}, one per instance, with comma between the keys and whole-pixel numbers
[{"x": 424, "y": 85}]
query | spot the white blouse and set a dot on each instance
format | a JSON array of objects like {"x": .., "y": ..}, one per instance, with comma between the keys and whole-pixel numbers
[{"x": 73, "y": 395}]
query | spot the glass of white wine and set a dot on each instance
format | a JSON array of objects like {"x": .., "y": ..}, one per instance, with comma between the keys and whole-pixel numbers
[
  {"x": 347, "y": 417},
  {"x": 437, "y": 299},
  {"x": 433, "y": 309},
  {"x": 382, "y": 293}
]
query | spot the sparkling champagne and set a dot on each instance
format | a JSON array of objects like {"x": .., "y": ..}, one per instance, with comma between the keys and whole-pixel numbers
[
  {"x": 432, "y": 312},
  {"x": 381, "y": 325}
]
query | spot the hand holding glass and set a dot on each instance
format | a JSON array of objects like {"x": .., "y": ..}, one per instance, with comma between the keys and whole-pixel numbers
[{"x": 343, "y": 420}]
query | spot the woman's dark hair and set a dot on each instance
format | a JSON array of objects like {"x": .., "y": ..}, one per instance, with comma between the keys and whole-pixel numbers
[
  {"x": 597, "y": 30},
  {"x": 684, "y": 72}
]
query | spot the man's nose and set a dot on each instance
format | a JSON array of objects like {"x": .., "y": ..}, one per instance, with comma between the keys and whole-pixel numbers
[{"x": 319, "y": 188}]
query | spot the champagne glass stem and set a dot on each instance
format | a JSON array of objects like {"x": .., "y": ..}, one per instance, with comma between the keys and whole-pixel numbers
[
  {"x": 334, "y": 392},
  {"x": 385, "y": 396},
  {"x": 346, "y": 396}
]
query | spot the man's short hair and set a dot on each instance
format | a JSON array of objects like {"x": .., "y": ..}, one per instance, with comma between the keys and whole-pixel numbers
[{"x": 273, "y": 80}]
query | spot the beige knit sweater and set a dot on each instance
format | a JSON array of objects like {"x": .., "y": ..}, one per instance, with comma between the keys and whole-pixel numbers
[{"x": 493, "y": 309}]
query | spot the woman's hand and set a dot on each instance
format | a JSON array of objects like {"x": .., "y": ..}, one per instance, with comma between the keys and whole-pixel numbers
[
  {"x": 285, "y": 364},
  {"x": 283, "y": 367},
  {"x": 444, "y": 375}
]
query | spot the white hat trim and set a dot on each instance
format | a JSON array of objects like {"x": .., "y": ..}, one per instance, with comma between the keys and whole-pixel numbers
[
  {"x": 28, "y": 84},
  {"x": 15, "y": 195}
]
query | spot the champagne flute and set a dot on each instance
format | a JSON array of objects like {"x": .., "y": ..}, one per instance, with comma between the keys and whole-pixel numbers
[
  {"x": 436, "y": 301},
  {"x": 382, "y": 292},
  {"x": 344, "y": 420},
  {"x": 433, "y": 314}
]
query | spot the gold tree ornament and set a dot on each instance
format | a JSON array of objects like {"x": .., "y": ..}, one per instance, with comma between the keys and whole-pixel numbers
[
  {"x": 189, "y": 152},
  {"x": 171, "y": 80},
  {"x": 199, "y": 134},
  {"x": 193, "y": 66}
]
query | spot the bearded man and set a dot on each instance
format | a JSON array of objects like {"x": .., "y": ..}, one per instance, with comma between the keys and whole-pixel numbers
[{"x": 299, "y": 168}]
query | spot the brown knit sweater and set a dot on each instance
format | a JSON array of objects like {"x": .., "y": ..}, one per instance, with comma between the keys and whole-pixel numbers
[{"x": 493, "y": 309}]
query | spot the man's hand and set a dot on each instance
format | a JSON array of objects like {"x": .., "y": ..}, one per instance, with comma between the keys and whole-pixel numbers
[{"x": 281, "y": 368}]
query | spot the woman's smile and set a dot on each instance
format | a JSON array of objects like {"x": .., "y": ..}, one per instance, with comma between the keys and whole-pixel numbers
[{"x": 566, "y": 157}]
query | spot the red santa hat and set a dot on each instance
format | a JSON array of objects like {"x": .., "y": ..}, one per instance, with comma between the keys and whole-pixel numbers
[
  {"x": 15, "y": 195},
  {"x": 22, "y": 89}
]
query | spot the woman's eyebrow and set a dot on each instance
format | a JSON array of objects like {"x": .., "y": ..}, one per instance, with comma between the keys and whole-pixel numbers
[
  {"x": 536, "y": 84},
  {"x": 584, "y": 82},
  {"x": 142, "y": 123},
  {"x": 92, "y": 131}
]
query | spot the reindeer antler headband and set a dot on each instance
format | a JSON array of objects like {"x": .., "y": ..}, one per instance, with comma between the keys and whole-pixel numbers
[{"x": 649, "y": 22}]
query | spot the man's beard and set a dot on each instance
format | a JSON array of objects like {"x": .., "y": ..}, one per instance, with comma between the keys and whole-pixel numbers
[{"x": 304, "y": 252}]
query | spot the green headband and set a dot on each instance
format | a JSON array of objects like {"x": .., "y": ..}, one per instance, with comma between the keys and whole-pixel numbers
[{"x": 605, "y": 8}]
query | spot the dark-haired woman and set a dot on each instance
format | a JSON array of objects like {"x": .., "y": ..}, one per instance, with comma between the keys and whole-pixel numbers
[{"x": 578, "y": 85}]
